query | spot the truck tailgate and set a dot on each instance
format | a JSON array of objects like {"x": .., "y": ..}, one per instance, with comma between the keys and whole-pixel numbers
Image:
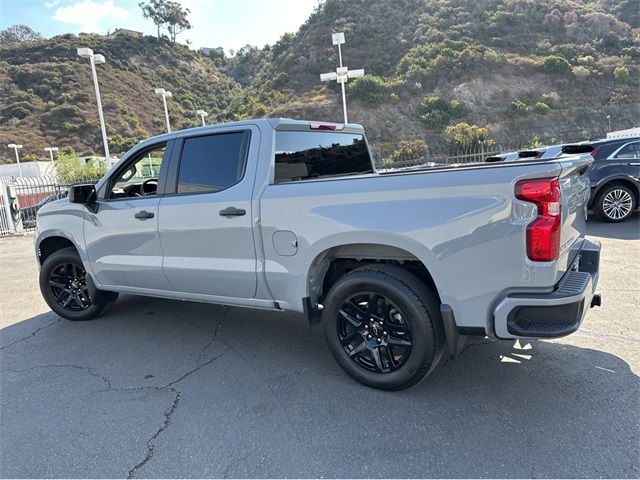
[{"x": 575, "y": 189}]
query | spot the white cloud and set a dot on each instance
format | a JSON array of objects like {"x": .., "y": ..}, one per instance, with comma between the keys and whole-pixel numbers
[{"x": 88, "y": 14}]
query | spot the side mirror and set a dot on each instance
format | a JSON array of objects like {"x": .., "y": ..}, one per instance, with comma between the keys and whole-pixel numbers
[{"x": 84, "y": 194}]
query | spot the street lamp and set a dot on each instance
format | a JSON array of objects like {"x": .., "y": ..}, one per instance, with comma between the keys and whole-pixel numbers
[
  {"x": 15, "y": 149},
  {"x": 202, "y": 114},
  {"x": 342, "y": 74},
  {"x": 165, "y": 95},
  {"x": 51, "y": 150},
  {"x": 97, "y": 59}
]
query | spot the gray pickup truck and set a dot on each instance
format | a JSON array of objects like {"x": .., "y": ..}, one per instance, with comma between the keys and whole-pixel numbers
[{"x": 280, "y": 214}]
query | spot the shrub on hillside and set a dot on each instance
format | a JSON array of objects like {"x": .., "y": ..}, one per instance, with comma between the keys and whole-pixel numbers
[
  {"x": 409, "y": 151},
  {"x": 554, "y": 65},
  {"x": 517, "y": 109},
  {"x": 436, "y": 112},
  {"x": 466, "y": 137},
  {"x": 369, "y": 89},
  {"x": 621, "y": 74}
]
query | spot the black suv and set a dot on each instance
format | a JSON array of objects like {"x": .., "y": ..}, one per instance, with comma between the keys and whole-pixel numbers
[{"x": 615, "y": 178}]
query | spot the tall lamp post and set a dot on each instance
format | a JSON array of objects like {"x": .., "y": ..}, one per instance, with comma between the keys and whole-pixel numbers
[
  {"x": 342, "y": 74},
  {"x": 165, "y": 95},
  {"x": 97, "y": 59},
  {"x": 202, "y": 114},
  {"x": 15, "y": 149},
  {"x": 51, "y": 150}
]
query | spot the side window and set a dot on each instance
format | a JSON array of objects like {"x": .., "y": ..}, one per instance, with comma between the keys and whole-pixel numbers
[
  {"x": 211, "y": 163},
  {"x": 306, "y": 155},
  {"x": 140, "y": 177},
  {"x": 630, "y": 151}
]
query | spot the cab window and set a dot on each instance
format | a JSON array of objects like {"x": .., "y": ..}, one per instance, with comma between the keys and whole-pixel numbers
[{"x": 140, "y": 176}]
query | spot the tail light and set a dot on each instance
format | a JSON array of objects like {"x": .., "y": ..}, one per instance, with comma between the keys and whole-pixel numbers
[
  {"x": 543, "y": 234},
  {"x": 594, "y": 152}
]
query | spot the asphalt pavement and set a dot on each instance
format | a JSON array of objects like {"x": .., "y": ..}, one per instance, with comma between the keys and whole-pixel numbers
[{"x": 159, "y": 388}]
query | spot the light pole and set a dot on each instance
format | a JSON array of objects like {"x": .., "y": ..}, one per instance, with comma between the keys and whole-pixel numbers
[
  {"x": 202, "y": 114},
  {"x": 342, "y": 74},
  {"x": 165, "y": 95},
  {"x": 15, "y": 149},
  {"x": 97, "y": 59},
  {"x": 51, "y": 150}
]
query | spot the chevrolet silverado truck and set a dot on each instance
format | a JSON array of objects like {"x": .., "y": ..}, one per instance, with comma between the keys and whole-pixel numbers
[{"x": 279, "y": 214}]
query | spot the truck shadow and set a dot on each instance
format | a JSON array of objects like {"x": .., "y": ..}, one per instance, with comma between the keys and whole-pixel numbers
[{"x": 257, "y": 394}]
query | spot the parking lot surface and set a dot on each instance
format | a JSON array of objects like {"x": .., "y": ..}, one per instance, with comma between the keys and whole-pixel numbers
[{"x": 159, "y": 388}]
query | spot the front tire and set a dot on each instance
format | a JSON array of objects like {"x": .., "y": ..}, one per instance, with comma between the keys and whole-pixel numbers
[
  {"x": 615, "y": 203},
  {"x": 383, "y": 327},
  {"x": 69, "y": 290}
]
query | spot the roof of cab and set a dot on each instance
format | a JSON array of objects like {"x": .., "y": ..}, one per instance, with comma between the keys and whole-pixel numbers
[{"x": 274, "y": 123}]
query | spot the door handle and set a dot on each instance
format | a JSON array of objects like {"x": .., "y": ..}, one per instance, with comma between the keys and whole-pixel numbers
[
  {"x": 233, "y": 212},
  {"x": 143, "y": 215}
]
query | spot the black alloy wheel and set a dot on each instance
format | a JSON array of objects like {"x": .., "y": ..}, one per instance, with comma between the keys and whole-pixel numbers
[{"x": 374, "y": 333}]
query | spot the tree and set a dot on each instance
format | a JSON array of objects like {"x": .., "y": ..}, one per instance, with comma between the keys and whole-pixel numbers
[
  {"x": 154, "y": 11},
  {"x": 18, "y": 33},
  {"x": 176, "y": 18},
  {"x": 169, "y": 13}
]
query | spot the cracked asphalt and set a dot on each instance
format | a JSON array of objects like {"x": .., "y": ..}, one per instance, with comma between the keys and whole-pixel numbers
[{"x": 159, "y": 388}]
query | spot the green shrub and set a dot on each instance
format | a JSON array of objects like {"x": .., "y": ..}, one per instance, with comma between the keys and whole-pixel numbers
[
  {"x": 541, "y": 108},
  {"x": 621, "y": 74},
  {"x": 465, "y": 136},
  {"x": 435, "y": 112},
  {"x": 368, "y": 89},
  {"x": 517, "y": 109},
  {"x": 409, "y": 151},
  {"x": 17, "y": 110},
  {"x": 554, "y": 65},
  {"x": 70, "y": 169}
]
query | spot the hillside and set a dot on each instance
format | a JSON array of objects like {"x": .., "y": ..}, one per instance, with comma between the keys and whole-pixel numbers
[
  {"x": 47, "y": 95},
  {"x": 526, "y": 70}
]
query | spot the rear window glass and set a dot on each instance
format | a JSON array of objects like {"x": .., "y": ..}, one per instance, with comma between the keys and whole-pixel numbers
[
  {"x": 212, "y": 163},
  {"x": 308, "y": 155}
]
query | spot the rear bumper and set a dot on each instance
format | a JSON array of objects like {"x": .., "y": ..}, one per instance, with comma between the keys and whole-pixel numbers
[{"x": 554, "y": 314}]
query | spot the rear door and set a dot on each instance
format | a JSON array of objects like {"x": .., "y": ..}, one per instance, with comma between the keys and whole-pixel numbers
[{"x": 205, "y": 224}]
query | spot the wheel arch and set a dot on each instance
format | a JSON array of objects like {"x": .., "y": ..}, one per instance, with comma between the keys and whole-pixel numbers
[
  {"x": 48, "y": 245},
  {"x": 336, "y": 260},
  {"x": 618, "y": 180}
]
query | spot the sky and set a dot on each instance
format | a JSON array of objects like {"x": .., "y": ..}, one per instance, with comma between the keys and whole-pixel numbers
[{"x": 216, "y": 23}]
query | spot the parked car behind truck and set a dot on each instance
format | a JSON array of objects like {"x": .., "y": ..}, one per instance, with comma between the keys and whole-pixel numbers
[
  {"x": 615, "y": 178},
  {"x": 292, "y": 215}
]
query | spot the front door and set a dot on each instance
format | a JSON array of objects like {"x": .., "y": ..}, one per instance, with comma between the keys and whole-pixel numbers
[
  {"x": 122, "y": 236},
  {"x": 205, "y": 226}
]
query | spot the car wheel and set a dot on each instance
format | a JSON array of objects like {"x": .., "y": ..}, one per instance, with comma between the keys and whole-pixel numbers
[
  {"x": 383, "y": 326},
  {"x": 68, "y": 290},
  {"x": 615, "y": 203}
]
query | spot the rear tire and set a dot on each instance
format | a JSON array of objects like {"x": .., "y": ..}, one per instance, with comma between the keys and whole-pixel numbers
[
  {"x": 383, "y": 326},
  {"x": 615, "y": 203},
  {"x": 69, "y": 290}
]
